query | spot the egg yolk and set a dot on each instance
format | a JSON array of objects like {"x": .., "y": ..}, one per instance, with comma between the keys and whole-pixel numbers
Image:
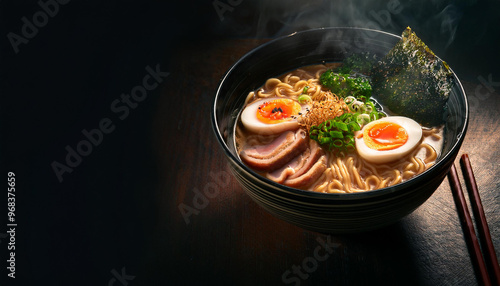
[
  {"x": 385, "y": 136},
  {"x": 278, "y": 110}
]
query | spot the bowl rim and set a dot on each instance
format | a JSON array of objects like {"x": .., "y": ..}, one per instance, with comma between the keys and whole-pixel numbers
[{"x": 331, "y": 196}]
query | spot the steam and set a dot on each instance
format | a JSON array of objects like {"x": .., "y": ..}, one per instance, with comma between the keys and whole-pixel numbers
[
  {"x": 273, "y": 20},
  {"x": 450, "y": 18},
  {"x": 436, "y": 21},
  {"x": 277, "y": 18}
]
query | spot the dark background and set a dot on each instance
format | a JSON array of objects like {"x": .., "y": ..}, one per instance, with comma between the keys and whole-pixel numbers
[{"x": 109, "y": 213}]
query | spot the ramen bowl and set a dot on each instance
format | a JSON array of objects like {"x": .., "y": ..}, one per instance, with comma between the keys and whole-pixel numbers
[{"x": 326, "y": 212}]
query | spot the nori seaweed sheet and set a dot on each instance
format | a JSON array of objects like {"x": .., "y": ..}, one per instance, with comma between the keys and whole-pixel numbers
[{"x": 412, "y": 81}]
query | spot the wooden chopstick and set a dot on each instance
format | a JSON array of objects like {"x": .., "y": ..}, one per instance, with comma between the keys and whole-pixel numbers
[
  {"x": 468, "y": 226},
  {"x": 484, "y": 232}
]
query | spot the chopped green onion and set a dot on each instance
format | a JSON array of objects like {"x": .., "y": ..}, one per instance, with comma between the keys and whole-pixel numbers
[
  {"x": 337, "y": 134},
  {"x": 363, "y": 119},
  {"x": 357, "y": 106},
  {"x": 349, "y": 99},
  {"x": 341, "y": 125},
  {"x": 304, "y": 98}
]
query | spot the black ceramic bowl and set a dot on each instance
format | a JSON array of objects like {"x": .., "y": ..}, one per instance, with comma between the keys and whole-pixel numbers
[{"x": 327, "y": 213}]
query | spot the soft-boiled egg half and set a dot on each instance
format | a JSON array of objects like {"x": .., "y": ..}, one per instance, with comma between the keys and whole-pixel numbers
[
  {"x": 272, "y": 115},
  {"x": 388, "y": 139}
]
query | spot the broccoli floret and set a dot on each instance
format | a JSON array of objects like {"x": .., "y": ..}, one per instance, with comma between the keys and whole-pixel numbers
[
  {"x": 347, "y": 85},
  {"x": 350, "y": 79},
  {"x": 412, "y": 81}
]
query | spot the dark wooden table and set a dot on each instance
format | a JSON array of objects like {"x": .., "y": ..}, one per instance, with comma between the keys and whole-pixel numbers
[
  {"x": 129, "y": 212},
  {"x": 229, "y": 238}
]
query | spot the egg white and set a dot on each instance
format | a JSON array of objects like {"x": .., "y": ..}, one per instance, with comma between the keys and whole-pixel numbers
[
  {"x": 413, "y": 129},
  {"x": 250, "y": 121}
]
